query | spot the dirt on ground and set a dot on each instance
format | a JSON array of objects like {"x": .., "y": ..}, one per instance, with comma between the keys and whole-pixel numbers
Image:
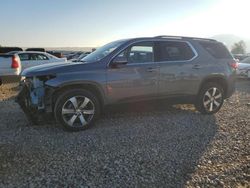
[{"x": 137, "y": 145}]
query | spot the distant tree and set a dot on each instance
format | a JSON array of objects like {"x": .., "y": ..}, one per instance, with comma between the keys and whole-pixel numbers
[{"x": 239, "y": 47}]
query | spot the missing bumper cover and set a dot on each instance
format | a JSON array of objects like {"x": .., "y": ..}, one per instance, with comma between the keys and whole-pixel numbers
[{"x": 34, "y": 98}]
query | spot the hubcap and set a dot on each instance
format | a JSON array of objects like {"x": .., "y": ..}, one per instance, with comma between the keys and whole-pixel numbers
[
  {"x": 212, "y": 99},
  {"x": 78, "y": 111}
]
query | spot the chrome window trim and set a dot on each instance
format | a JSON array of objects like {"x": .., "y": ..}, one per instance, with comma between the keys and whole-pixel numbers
[{"x": 158, "y": 40}]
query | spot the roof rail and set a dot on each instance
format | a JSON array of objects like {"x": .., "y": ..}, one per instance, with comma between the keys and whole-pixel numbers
[
  {"x": 169, "y": 36},
  {"x": 180, "y": 37}
]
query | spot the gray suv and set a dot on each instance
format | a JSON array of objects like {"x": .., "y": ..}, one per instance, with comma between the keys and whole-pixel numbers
[{"x": 130, "y": 70}]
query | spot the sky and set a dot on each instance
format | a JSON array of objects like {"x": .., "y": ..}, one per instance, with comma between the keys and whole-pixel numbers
[{"x": 86, "y": 23}]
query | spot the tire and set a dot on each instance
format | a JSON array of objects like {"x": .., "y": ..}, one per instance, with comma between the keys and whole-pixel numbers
[
  {"x": 77, "y": 109},
  {"x": 210, "y": 98}
]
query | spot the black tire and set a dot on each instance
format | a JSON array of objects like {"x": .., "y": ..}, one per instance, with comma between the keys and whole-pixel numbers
[
  {"x": 66, "y": 98},
  {"x": 203, "y": 98}
]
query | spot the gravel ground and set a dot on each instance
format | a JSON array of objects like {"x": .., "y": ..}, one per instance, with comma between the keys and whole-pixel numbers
[{"x": 133, "y": 145}]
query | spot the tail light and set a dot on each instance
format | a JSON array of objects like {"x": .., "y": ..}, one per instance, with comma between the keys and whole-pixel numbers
[
  {"x": 234, "y": 64},
  {"x": 15, "y": 62}
]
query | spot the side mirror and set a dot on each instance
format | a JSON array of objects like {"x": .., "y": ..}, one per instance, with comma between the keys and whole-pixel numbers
[{"x": 119, "y": 61}]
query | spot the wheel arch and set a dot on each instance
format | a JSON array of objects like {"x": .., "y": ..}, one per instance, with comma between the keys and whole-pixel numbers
[
  {"x": 218, "y": 79},
  {"x": 89, "y": 86}
]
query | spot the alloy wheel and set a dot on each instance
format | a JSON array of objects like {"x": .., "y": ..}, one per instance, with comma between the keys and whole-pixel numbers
[
  {"x": 212, "y": 99},
  {"x": 78, "y": 111}
]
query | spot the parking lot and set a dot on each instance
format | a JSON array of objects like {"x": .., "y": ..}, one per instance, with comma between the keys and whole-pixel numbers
[{"x": 143, "y": 145}]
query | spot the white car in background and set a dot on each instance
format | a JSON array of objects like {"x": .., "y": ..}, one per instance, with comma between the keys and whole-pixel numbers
[
  {"x": 10, "y": 67},
  {"x": 33, "y": 58},
  {"x": 244, "y": 68}
]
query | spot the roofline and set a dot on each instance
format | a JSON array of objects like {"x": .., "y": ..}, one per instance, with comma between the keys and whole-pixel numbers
[
  {"x": 172, "y": 37},
  {"x": 183, "y": 37}
]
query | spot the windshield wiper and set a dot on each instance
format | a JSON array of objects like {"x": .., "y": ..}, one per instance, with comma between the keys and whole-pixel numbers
[{"x": 81, "y": 61}]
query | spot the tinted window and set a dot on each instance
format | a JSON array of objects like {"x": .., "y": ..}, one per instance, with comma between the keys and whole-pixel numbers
[
  {"x": 38, "y": 57},
  {"x": 175, "y": 51},
  {"x": 23, "y": 57},
  {"x": 139, "y": 53},
  {"x": 217, "y": 50}
]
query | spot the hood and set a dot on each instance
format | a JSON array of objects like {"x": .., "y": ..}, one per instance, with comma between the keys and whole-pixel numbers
[{"x": 52, "y": 68}]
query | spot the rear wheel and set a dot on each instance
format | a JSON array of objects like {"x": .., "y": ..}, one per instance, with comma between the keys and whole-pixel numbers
[
  {"x": 77, "y": 109},
  {"x": 210, "y": 98}
]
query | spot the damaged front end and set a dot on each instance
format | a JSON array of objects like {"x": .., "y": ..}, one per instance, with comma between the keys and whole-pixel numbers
[{"x": 35, "y": 97}]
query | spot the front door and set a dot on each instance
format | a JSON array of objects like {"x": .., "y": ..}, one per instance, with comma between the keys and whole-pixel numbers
[{"x": 137, "y": 79}]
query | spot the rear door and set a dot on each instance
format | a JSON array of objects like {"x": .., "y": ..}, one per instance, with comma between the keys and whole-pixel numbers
[
  {"x": 179, "y": 70},
  {"x": 136, "y": 80}
]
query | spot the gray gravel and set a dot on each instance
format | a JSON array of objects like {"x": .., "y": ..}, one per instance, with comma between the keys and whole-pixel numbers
[{"x": 135, "y": 145}]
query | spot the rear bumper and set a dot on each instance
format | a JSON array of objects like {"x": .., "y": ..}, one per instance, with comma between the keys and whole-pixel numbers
[{"x": 10, "y": 71}]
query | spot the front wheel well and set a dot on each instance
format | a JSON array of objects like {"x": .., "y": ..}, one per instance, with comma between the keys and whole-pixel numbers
[
  {"x": 89, "y": 87},
  {"x": 218, "y": 80}
]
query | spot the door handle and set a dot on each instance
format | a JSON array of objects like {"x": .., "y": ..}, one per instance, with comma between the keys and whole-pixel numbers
[
  {"x": 196, "y": 67},
  {"x": 151, "y": 69}
]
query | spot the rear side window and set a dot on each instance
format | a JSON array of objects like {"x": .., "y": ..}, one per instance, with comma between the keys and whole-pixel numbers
[
  {"x": 216, "y": 49},
  {"x": 175, "y": 51}
]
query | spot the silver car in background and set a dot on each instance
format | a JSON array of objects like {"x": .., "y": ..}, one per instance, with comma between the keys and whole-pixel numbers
[
  {"x": 34, "y": 58},
  {"x": 244, "y": 68}
]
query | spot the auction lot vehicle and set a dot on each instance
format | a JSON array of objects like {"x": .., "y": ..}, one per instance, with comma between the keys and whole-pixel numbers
[
  {"x": 127, "y": 71},
  {"x": 10, "y": 67},
  {"x": 34, "y": 58},
  {"x": 244, "y": 68}
]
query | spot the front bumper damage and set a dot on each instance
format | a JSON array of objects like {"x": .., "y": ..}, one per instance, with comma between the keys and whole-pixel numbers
[{"x": 35, "y": 98}]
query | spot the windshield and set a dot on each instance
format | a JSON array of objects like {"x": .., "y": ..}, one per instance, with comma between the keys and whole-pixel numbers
[
  {"x": 103, "y": 51},
  {"x": 246, "y": 60}
]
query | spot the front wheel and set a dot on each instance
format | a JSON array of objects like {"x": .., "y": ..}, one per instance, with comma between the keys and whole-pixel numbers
[
  {"x": 77, "y": 109},
  {"x": 210, "y": 99}
]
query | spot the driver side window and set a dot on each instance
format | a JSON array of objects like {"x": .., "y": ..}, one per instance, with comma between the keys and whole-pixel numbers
[{"x": 142, "y": 52}]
